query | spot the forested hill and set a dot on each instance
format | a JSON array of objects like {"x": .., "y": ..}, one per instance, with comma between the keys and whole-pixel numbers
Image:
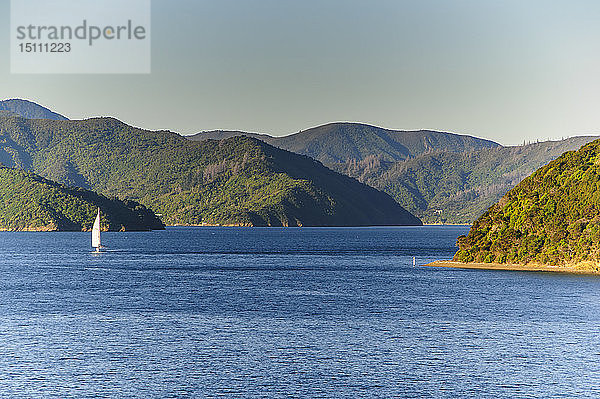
[
  {"x": 340, "y": 142},
  {"x": 238, "y": 181},
  {"x": 449, "y": 187},
  {"x": 29, "y": 202},
  {"x": 551, "y": 217},
  {"x": 29, "y": 110}
]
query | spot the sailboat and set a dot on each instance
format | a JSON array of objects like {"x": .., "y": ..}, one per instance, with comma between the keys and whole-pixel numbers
[{"x": 96, "y": 233}]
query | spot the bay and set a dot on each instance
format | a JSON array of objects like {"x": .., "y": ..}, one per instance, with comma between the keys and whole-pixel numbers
[{"x": 290, "y": 312}]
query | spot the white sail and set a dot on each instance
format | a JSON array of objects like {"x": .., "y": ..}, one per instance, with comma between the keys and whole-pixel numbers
[{"x": 96, "y": 232}]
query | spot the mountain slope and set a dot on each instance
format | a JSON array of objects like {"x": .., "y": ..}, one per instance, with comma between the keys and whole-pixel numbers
[
  {"x": 339, "y": 142},
  {"x": 440, "y": 177},
  {"x": 29, "y": 202},
  {"x": 551, "y": 217},
  {"x": 457, "y": 187},
  {"x": 29, "y": 110},
  {"x": 239, "y": 181}
]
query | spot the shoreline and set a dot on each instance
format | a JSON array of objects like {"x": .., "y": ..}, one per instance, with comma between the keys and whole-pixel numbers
[
  {"x": 448, "y": 224},
  {"x": 575, "y": 269}
]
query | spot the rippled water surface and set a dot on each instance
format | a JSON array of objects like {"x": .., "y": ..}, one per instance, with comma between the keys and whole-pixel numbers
[{"x": 235, "y": 312}]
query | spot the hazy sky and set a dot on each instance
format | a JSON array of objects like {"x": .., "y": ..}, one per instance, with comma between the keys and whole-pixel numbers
[{"x": 505, "y": 70}]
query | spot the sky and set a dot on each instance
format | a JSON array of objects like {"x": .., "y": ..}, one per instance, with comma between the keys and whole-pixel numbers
[{"x": 510, "y": 71}]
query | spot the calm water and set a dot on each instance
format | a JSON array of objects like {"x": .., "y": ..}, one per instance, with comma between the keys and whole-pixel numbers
[{"x": 234, "y": 312}]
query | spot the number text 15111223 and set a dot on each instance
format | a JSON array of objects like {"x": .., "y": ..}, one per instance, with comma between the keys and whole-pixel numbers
[{"x": 45, "y": 47}]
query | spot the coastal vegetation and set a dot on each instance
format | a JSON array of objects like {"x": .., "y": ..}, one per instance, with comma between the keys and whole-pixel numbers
[
  {"x": 30, "y": 202},
  {"x": 551, "y": 217}
]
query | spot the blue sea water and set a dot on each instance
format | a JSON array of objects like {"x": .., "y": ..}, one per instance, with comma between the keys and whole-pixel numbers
[{"x": 278, "y": 313}]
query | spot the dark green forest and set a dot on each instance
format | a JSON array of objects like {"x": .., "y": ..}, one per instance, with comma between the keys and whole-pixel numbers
[
  {"x": 237, "y": 181},
  {"x": 29, "y": 202},
  {"x": 551, "y": 217}
]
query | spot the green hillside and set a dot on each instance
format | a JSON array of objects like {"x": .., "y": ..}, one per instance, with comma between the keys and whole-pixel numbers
[
  {"x": 551, "y": 217},
  {"x": 341, "y": 142},
  {"x": 238, "y": 181},
  {"x": 29, "y": 202},
  {"x": 439, "y": 177},
  {"x": 448, "y": 187}
]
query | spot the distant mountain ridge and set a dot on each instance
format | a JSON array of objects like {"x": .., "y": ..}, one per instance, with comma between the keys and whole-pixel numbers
[
  {"x": 440, "y": 177},
  {"x": 342, "y": 141},
  {"x": 29, "y": 110},
  {"x": 447, "y": 187},
  {"x": 236, "y": 181}
]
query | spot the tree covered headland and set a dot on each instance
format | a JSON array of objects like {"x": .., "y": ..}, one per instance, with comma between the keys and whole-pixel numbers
[
  {"x": 30, "y": 202},
  {"x": 551, "y": 217}
]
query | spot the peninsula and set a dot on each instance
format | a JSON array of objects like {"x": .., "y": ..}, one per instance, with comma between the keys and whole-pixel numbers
[
  {"x": 31, "y": 203},
  {"x": 550, "y": 221}
]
